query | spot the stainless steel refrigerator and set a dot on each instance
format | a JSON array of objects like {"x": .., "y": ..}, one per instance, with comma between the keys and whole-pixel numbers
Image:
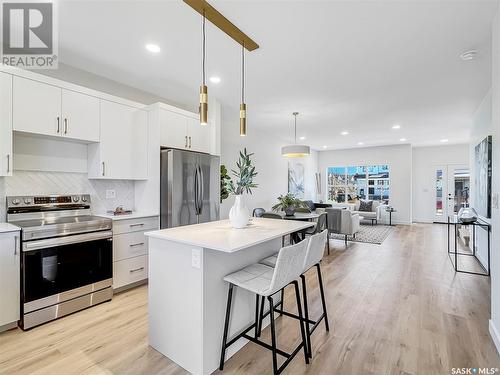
[{"x": 190, "y": 188}]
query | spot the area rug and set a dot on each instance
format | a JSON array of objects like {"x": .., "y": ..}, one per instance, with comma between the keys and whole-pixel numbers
[{"x": 375, "y": 234}]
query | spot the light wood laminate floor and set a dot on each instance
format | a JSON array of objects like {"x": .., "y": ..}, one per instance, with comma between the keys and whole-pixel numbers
[{"x": 398, "y": 308}]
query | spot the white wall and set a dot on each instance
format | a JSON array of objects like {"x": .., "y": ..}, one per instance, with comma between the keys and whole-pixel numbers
[
  {"x": 495, "y": 220},
  {"x": 397, "y": 157},
  {"x": 425, "y": 160},
  {"x": 271, "y": 167}
]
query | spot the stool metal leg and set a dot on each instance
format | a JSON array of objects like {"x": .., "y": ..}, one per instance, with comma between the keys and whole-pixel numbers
[
  {"x": 301, "y": 321},
  {"x": 306, "y": 315},
  {"x": 282, "y": 300},
  {"x": 226, "y": 327},
  {"x": 322, "y": 292},
  {"x": 261, "y": 314},
  {"x": 273, "y": 335},
  {"x": 257, "y": 316}
]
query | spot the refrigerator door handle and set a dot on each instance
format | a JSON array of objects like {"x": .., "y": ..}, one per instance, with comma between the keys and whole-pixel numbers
[
  {"x": 196, "y": 188},
  {"x": 200, "y": 186}
]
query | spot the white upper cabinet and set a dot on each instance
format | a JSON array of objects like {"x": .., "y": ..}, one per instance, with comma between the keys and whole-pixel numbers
[
  {"x": 40, "y": 108},
  {"x": 199, "y": 136},
  {"x": 36, "y": 107},
  {"x": 173, "y": 130},
  {"x": 123, "y": 149},
  {"x": 80, "y": 116},
  {"x": 182, "y": 131},
  {"x": 9, "y": 277},
  {"x": 5, "y": 124}
]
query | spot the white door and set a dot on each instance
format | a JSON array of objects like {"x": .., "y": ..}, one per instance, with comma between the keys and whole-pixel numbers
[
  {"x": 9, "y": 277},
  {"x": 199, "y": 136},
  {"x": 451, "y": 190},
  {"x": 5, "y": 124},
  {"x": 173, "y": 130},
  {"x": 80, "y": 116},
  {"x": 124, "y": 142},
  {"x": 36, "y": 107}
]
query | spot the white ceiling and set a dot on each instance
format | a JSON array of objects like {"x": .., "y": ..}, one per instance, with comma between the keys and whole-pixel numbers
[{"x": 359, "y": 66}]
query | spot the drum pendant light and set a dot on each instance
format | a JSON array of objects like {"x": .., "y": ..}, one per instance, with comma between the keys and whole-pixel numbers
[
  {"x": 203, "y": 88},
  {"x": 295, "y": 150},
  {"x": 243, "y": 106}
]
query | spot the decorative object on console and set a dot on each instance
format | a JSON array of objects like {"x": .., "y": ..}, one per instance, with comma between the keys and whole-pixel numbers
[
  {"x": 288, "y": 203},
  {"x": 482, "y": 178},
  {"x": 239, "y": 214},
  {"x": 295, "y": 150},
  {"x": 467, "y": 215}
]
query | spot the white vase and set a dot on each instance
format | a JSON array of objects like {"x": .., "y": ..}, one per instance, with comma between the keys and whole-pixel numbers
[{"x": 239, "y": 214}]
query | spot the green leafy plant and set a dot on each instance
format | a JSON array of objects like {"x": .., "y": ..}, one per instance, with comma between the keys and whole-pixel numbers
[
  {"x": 288, "y": 201},
  {"x": 224, "y": 194},
  {"x": 244, "y": 175}
]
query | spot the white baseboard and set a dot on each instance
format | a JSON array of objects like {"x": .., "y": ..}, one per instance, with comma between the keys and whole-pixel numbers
[{"x": 495, "y": 336}]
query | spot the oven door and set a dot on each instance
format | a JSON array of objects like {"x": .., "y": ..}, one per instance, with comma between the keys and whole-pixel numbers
[{"x": 55, "y": 266}]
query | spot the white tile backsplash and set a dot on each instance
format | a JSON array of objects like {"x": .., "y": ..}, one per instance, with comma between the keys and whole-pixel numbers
[{"x": 44, "y": 183}]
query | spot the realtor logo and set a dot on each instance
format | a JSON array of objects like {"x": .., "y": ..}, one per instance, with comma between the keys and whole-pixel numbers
[{"x": 28, "y": 35}]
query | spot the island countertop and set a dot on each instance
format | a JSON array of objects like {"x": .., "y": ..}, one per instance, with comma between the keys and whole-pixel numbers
[{"x": 219, "y": 235}]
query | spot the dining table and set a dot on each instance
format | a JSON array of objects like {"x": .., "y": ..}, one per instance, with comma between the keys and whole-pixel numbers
[{"x": 300, "y": 216}]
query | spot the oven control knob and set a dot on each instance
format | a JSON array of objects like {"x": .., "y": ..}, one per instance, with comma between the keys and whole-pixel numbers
[
  {"x": 27, "y": 201},
  {"x": 84, "y": 199},
  {"x": 16, "y": 201},
  {"x": 76, "y": 199}
]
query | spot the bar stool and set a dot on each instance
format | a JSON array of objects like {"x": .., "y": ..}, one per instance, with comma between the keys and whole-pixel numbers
[
  {"x": 265, "y": 282},
  {"x": 314, "y": 255}
]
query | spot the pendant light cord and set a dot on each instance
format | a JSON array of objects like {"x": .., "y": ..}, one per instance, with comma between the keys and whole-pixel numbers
[
  {"x": 243, "y": 73},
  {"x": 203, "y": 52},
  {"x": 295, "y": 128}
]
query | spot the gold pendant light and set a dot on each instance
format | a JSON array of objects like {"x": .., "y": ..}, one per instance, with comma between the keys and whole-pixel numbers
[
  {"x": 295, "y": 150},
  {"x": 243, "y": 106},
  {"x": 203, "y": 87}
]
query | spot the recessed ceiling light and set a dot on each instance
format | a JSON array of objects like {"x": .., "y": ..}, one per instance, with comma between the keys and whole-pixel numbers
[
  {"x": 396, "y": 126},
  {"x": 443, "y": 140},
  {"x": 402, "y": 139},
  {"x": 361, "y": 143},
  {"x": 325, "y": 146},
  {"x": 345, "y": 132},
  {"x": 302, "y": 138},
  {"x": 215, "y": 79},
  {"x": 154, "y": 48},
  {"x": 468, "y": 55}
]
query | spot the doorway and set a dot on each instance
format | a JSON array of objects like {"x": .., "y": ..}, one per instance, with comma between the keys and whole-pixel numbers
[{"x": 452, "y": 188}]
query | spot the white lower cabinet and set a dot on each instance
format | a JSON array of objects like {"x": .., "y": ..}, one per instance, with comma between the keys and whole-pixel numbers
[
  {"x": 10, "y": 255},
  {"x": 130, "y": 250}
]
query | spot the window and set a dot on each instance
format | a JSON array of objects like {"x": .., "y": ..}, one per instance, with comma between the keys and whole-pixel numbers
[{"x": 351, "y": 183}]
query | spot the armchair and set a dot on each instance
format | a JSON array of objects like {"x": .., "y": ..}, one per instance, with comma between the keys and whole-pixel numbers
[{"x": 341, "y": 221}]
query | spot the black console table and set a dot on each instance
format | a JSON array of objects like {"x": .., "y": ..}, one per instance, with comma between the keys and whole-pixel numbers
[{"x": 453, "y": 254}]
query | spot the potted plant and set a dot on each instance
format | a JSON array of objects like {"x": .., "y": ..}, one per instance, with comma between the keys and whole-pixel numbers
[
  {"x": 224, "y": 194},
  {"x": 244, "y": 175},
  {"x": 288, "y": 203}
]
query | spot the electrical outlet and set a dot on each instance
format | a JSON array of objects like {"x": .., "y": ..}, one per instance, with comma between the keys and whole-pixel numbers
[
  {"x": 195, "y": 258},
  {"x": 110, "y": 194}
]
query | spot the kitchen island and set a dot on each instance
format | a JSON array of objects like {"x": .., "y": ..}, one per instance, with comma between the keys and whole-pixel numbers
[{"x": 187, "y": 294}]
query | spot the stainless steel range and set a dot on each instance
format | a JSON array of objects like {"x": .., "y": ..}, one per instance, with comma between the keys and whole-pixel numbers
[{"x": 66, "y": 260}]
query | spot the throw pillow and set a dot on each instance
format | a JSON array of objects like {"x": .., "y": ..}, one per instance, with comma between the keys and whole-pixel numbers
[{"x": 365, "y": 206}]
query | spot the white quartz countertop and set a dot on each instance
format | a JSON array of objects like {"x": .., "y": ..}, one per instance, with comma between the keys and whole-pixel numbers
[
  {"x": 219, "y": 235},
  {"x": 133, "y": 215},
  {"x": 7, "y": 227}
]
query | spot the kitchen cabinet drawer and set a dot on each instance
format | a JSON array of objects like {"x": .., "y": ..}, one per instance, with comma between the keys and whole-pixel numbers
[
  {"x": 129, "y": 245},
  {"x": 135, "y": 225},
  {"x": 129, "y": 271}
]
